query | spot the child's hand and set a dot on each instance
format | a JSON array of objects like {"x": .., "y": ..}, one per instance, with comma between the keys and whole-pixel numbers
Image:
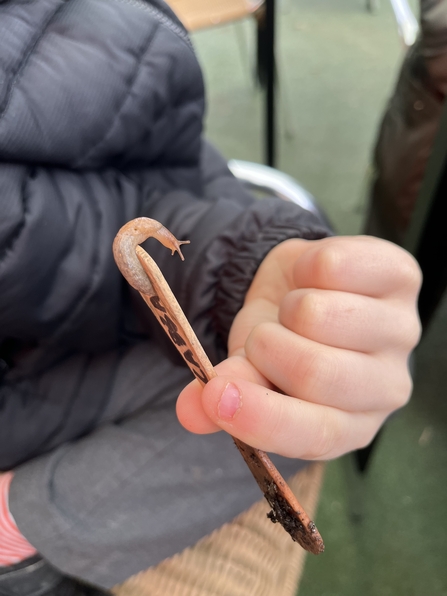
[{"x": 318, "y": 353}]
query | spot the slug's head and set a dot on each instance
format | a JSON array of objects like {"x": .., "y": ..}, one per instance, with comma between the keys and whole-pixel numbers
[{"x": 126, "y": 241}]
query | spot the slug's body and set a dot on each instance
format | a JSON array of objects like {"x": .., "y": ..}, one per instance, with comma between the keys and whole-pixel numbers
[{"x": 129, "y": 237}]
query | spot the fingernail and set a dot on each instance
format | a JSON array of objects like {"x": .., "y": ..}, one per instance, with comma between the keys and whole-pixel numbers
[{"x": 230, "y": 402}]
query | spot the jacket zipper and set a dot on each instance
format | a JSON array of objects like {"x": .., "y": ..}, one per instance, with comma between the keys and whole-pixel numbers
[{"x": 162, "y": 18}]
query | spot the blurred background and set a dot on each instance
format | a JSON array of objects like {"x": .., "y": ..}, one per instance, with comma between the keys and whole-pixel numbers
[{"x": 385, "y": 532}]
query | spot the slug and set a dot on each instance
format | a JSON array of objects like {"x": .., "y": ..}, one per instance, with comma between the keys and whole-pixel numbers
[{"x": 129, "y": 237}]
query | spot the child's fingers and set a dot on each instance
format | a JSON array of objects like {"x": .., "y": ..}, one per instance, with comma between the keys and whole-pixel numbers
[
  {"x": 190, "y": 411},
  {"x": 359, "y": 264},
  {"x": 189, "y": 408},
  {"x": 281, "y": 424},
  {"x": 351, "y": 381},
  {"x": 350, "y": 321}
]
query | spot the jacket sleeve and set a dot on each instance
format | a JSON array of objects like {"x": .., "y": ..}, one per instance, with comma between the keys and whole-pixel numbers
[{"x": 59, "y": 285}]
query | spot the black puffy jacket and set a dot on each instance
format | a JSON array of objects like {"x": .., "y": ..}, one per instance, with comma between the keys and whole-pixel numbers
[{"x": 101, "y": 106}]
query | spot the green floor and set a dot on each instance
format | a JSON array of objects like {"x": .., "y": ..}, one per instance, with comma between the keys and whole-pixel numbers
[{"x": 337, "y": 64}]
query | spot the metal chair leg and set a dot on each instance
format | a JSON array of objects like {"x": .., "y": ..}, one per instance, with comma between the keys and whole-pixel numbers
[{"x": 266, "y": 74}]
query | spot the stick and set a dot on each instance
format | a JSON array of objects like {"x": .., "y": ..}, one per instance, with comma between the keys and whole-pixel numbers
[{"x": 144, "y": 275}]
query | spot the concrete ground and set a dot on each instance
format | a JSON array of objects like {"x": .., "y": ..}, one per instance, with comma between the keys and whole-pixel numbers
[{"x": 385, "y": 535}]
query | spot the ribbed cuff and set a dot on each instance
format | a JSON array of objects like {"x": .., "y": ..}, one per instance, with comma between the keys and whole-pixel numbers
[{"x": 282, "y": 222}]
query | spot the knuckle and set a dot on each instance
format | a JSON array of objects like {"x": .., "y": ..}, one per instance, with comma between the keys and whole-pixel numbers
[
  {"x": 414, "y": 273},
  {"x": 328, "y": 262},
  {"x": 412, "y": 335},
  {"x": 312, "y": 312},
  {"x": 406, "y": 327},
  {"x": 416, "y": 331},
  {"x": 258, "y": 339},
  {"x": 410, "y": 273},
  {"x": 407, "y": 336}
]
